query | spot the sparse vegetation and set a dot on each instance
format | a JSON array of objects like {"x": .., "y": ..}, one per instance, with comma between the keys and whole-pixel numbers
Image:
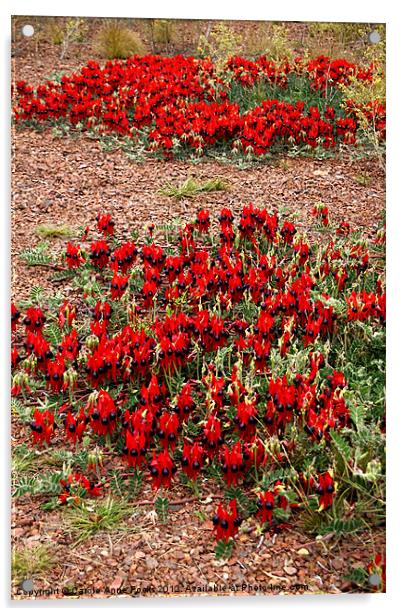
[
  {"x": 364, "y": 179},
  {"x": 27, "y": 562},
  {"x": 219, "y": 43},
  {"x": 65, "y": 31},
  {"x": 163, "y": 31},
  {"x": 46, "y": 231},
  {"x": 87, "y": 520},
  {"x": 117, "y": 42},
  {"x": 191, "y": 187}
]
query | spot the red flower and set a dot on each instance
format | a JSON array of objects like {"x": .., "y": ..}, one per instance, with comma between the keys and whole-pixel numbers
[
  {"x": 168, "y": 430},
  {"x": 15, "y": 357},
  {"x": 103, "y": 414},
  {"x": 149, "y": 291},
  {"x": 75, "y": 426},
  {"x": 118, "y": 286},
  {"x": 55, "y": 373},
  {"x": 361, "y": 306},
  {"x": 74, "y": 256},
  {"x": 123, "y": 257},
  {"x": 233, "y": 465},
  {"x": 162, "y": 470},
  {"x": 203, "y": 221},
  {"x": 105, "y": 224},
  {"x": 135, "y": 448},
  {"x": 15, "y": 315},
  {"x": 321, "y": 212},
  {"x": 70, "y": 346},
  {"x": 226, "y": 522},
  {"x": 192, "y": 460},
  {"x": 67, "y": 314},
  {"x": 246, "y": 418},
  {"x": 326, "y": 490},
  {"x": 212, "y": 437},
  {"x": 377, "y": 567},
  {"x": 288, "y": 231},
  {"x": 36, "y": 344},
  {"x": 184, "y": 402},
  {"x": 100, "y": 253},
  {"x": 34, "y": 319},
  {"x": 42, "y": 426},
  {"x": 77, "y": 485},
  {"x": 343, "y": 228},
  {"x": 266, "y": 506}
]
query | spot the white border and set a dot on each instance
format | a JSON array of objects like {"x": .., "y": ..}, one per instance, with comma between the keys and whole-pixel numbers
[{"x": 292, "y": 10}]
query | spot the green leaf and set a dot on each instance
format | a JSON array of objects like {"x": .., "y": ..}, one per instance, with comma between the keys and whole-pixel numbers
[
  {"x": 51, "y": 504},
  {"x": 81, "y": 459},
  {"x": 245, "y": 505},
  {"x": 223, "y": 549},
  {"x": 25, "y": 485},
  {"x": 63, "y": 274},
  {"x": 17, "y": 408},
  {"x": 162, "y": 508},
  {"x": 50, "y": 483},
  {"x": 279, "y": 474},
  {"x": 281, "y": 515},
  {"x": 53, "y": 334},
  {"x": 37, "y": 255},
  {"x": 357, "y": 415},
  {"x": 135, "y": 484},
  {"x": 117, "y": 485},
  {"x": 358, "y": 576},
  {"x": 341, "y": 527},
  {"x": 36, "y": 294},
  {"x": 341, "y": 445}
]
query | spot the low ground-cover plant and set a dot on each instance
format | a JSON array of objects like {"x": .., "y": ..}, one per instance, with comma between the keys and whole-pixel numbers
[
  {"x": 52, "y": 231},
  {"x": 117, "y": 41},
  {"x": 30, "y": 561},
  {"x": 183, "y": 105},
  {"x": 239, "y": 355},
  {"x": 191, "y": 187},
  {"x": 64, "y": 32}
]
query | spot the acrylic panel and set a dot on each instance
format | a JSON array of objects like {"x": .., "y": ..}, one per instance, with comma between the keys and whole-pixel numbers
[{"x": 198, "y": 307}]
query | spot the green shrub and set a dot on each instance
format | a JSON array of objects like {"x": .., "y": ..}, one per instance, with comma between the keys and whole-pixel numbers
[
  {"x": 55, "y": 33},
  {"x": 219, "y": 43},
  {"x": 163, "y": 31},
  {"x": 26, "y": 562},
  {"x": 191, "y": 188},
  {"x": 117, "y": 41},
  {"x": 276, "y": 44}
]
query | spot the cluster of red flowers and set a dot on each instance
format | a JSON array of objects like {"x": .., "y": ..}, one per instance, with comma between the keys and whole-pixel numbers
[
  {"x": 374, "y": 113},
  {"x": 226, "y": 521},
  {"x": 322, "y": 71},
  {"x": 259, "y": 293},
  {"x": 321, "y": 213},
  {"x": 363, "y": 306},
  {"x": 269, "y": 500},
  {"x": 325, "y": 72},
  {"x": 75, "y": 486},
  {"x": 181, "y": 101}
]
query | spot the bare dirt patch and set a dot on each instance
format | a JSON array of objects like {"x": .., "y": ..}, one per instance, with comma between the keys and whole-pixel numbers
[{"x": 68, "y": 181}]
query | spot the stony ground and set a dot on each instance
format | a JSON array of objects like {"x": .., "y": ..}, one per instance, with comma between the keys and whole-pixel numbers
[{"x": 68, "y": 181}]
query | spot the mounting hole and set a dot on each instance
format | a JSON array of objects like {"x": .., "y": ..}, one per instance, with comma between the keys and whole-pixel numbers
[
  {"x": 28, "y": 30},
  {"x": 374, "y": 579},
  {"x": 27, "y": 586},
  {"x": 374, "y": 37}
]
